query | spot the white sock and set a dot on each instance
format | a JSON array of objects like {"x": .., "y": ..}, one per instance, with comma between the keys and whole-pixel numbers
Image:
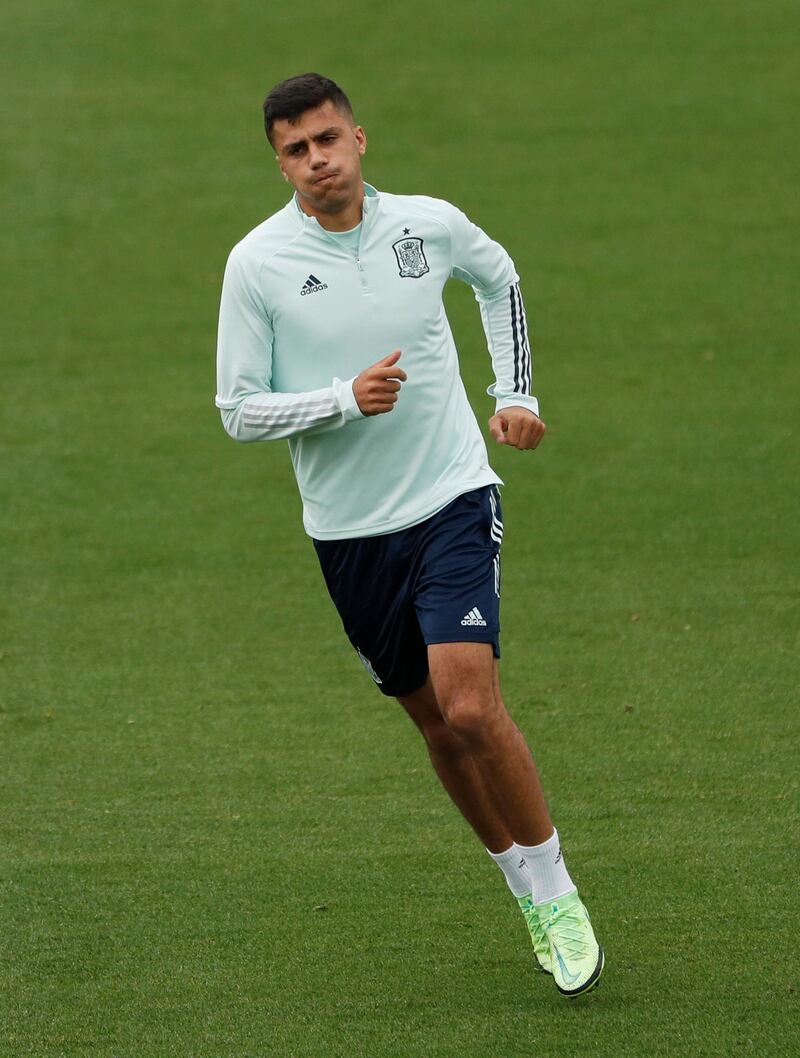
[
  {"x": 548, "y": 873},
  {"x": 514, "y": 868}
]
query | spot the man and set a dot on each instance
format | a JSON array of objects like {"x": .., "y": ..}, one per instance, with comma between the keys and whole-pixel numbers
[{"x": 332, "y": 334}]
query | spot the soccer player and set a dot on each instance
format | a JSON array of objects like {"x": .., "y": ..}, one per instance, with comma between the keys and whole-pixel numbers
[{"x": 332, "y": 333}]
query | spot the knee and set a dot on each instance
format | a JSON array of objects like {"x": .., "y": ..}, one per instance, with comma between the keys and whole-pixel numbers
[
  {"x": 439, "y": 736},
  {"x": 425, "y": 712},
  {"x": 471, "y": 718}
]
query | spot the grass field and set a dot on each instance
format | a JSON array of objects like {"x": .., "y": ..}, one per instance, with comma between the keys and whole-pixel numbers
[{"x": 216, "y": 839}]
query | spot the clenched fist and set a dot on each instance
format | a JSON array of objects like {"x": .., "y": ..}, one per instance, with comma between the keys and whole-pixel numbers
[
  {"x": 517, "y": 427},
  {"x": 377, "y": 387}
]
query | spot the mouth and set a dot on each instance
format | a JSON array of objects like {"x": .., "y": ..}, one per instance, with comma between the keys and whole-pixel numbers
[{"x": 324, "y": 178}]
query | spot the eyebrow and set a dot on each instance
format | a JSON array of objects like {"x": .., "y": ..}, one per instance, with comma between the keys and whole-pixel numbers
[{"x": 316, "y": 136}]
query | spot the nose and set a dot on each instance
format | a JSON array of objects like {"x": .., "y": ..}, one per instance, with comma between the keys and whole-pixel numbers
[{"x": 316, "y": 156}]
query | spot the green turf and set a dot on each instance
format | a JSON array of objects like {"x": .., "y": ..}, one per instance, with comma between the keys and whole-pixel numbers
[{"x": 215, "y": 838}]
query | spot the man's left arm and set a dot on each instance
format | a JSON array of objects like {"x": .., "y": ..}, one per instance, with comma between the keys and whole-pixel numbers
[{"x": 485, "y": 265}]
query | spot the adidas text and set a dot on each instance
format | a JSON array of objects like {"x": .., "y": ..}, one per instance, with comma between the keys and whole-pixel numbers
[
  {"x": 474, "y": 617},
  {"x": 312, "y": 286}
]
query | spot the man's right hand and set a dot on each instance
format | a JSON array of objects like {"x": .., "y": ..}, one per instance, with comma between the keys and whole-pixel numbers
[{"x": 377, "y": 387}]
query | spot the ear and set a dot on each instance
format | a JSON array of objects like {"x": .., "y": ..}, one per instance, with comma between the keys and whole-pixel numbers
[
  {"x": 361, "y": 139},
  {"x": 283, "y": 171}
]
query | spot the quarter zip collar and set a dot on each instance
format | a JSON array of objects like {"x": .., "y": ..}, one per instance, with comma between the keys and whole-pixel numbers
[{"x": 369, "y": 209}]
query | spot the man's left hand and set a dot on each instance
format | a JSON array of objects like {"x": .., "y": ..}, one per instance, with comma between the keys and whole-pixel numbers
[{"x": 517, "y": 427}]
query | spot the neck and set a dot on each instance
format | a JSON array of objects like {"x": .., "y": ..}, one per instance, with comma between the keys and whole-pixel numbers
[{"x": 343, "y": 219}]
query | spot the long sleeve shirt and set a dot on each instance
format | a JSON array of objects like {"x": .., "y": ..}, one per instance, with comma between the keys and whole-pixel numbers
[{"x": 302, "y": 314}]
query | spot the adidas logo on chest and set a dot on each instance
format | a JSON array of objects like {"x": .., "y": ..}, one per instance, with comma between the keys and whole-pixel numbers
[{"x": 312, "y": 286}]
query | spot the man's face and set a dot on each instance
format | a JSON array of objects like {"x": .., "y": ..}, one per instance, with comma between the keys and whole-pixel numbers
[{"x": 320, "y": 155}]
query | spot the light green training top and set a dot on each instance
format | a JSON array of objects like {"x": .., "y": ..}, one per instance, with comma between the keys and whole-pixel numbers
[{"x": 302, "y": 315}]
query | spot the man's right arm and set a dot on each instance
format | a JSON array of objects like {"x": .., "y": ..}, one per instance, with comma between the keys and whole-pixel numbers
[{"x": 250, "y": 410}]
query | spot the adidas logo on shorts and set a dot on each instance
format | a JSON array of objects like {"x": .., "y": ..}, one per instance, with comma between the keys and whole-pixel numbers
[{"x": 474, "y": 617}]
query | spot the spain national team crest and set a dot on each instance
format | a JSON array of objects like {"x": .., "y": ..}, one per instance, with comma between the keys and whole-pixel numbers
[{"x": 410, "y": 257}]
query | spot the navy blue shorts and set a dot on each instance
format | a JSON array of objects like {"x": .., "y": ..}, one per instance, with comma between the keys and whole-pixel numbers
[{"x": 435, "y": 582}]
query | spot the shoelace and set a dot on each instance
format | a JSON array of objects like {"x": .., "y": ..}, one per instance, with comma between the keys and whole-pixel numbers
[
  {"x": 534, "y": 924},
  {"x": 567, "y": 927}
]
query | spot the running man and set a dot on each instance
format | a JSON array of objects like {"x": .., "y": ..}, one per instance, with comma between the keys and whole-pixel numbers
[{"x": 332, "y": 334}]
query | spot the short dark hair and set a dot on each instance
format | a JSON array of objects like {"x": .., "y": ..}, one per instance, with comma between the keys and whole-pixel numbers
[{"x": 292, "y": 97}]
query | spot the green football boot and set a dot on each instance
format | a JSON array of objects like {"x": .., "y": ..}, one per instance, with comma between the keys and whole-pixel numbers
[
  {"x": 576, "y": 959},
  {"x": 541, "y": 945}
]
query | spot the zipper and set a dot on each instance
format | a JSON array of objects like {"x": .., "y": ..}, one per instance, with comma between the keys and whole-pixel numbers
[{"x": 361, "y": 274}]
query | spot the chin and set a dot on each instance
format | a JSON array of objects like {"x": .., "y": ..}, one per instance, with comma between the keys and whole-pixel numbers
[{"x": 331, "y": 202}]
